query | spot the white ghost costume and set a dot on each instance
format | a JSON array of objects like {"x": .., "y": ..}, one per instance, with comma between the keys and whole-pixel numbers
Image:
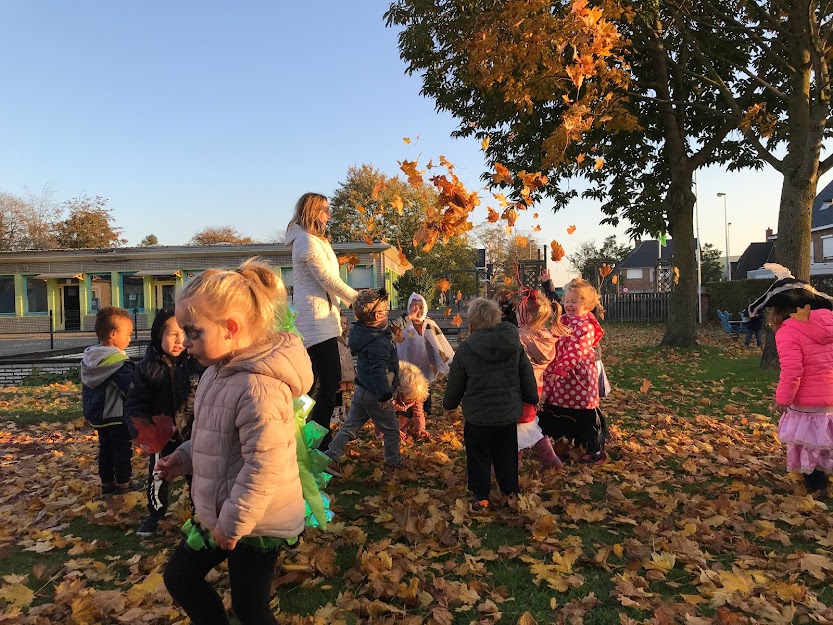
[{"x": 430, "y": 351}]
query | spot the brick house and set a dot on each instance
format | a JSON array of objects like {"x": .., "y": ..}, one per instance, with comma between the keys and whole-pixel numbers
[{"x": 637, "y": 273}]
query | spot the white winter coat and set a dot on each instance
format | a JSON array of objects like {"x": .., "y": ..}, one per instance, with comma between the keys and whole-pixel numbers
[{"x": 317, "y": 287}]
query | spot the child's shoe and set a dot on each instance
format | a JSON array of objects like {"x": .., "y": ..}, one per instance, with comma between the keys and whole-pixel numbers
[
  {"x": 129, "y": 487},
  {"x": 549, "y": 460},
  {"x": 391, "y": 469},
  {"x": 598, "y": 457},
  {"x": 147, "y": 527},
  {"x": 481, "y": 505},
  {"x": 333, "y": 468},
  {"x": 108, "y": 489}
]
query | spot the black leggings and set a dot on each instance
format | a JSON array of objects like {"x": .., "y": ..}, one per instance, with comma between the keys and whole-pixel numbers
[
  {"x": 250, "y": 573},
  {"x": 326, "y": 370},
  {"x": 114, "y": 452},
  {"x": 581, "y": 426}
]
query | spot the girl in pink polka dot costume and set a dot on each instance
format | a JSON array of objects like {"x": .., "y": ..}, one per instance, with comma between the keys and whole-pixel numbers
[{"x": 571, "y": 380}]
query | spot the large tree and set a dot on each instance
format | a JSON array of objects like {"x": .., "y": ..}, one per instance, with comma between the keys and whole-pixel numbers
[
  {"x": 88, "y": 225},
  {"x": 27, "y": 222},
  {"x": 219, "y": 234},
  {"x": 712, "y": 269},
  {"x": 556, "y": 88}
]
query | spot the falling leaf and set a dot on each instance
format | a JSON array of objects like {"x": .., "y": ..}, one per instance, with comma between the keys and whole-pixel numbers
[
  {"x": 557, "y": 252},
  {"x": 580, "y": 159},
  {"x": 409, "y": 168},
  {"x": 443, "y": 285},
  {"x": 351, "y": 260},
  {"x": 398, "y": 205},
  {"x": 485, "y": 143},
  {"x": 676, "y": 272},
  {"x": 377, "y": 188},
  {"x": 614, "y": 280},
  {"x": 457, "y": 320},
  {"x": 507, "y": 281},
  {"x": 459, "y": 296},
  {"x": 646, "y": 384},
  {"x": 493, "y": 215},
  {"x": 536, "y": 228},
  {"x": 600, "y": 162},
  {"x": 535, "y": 216},
  {"x": 571, "y": 229},
  {"x": 521, "y": 241},
  {"x": 605, "y": 270},
  {"x": 406, "y": 140},
  {"x": 361, "y": 209},
  {"x": 447, "y": 312},
  {"x": 501, "y": 175}
]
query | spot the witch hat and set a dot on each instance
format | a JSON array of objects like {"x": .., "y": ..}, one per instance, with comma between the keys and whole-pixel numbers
[{"x": 789, "y": 292}]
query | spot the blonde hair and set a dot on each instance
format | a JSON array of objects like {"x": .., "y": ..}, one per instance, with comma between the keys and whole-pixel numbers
[
  {"x": 587, "y": 294},
  {"x": 413, "y": 386},
  {"x": 254, "y": 290},
  {"x": 534, "y": 310},
  {"x": 307, "y": 209},
  {"x": 558, "y": 327},
  {"x": 483, "y": 314}
]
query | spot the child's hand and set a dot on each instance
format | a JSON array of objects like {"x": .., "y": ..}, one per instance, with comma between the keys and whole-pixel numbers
[
  {"x": 545, "y": 276},
  {"x": 169, "y": 467},
  {"x": 223, "y": 541},
  {"x": 779, "y": 409}
]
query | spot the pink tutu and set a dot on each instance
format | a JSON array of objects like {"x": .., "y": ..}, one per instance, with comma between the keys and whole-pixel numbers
[{"x": 809, "y": 440}]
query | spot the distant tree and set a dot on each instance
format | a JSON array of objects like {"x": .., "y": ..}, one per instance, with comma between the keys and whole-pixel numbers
[
  {"x": 26, "y": 222},
  {"x": 711, "y": 267},
  {"x": 504, "y": 250},
  {"x": 149, "y": 240},
  {"x": 588, "y": 259},
  {"x": 89, "y": 225},
  {"x": 219, "y": 234}
]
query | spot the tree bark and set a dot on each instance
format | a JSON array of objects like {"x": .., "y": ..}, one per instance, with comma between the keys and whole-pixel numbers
[{"x": 681, "y": 327}]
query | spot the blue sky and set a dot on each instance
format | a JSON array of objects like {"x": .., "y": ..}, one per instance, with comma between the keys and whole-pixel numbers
[{"x": 192, "y": 114}]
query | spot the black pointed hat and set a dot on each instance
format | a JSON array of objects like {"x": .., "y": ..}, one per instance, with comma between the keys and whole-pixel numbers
[{"x": 789, "y": 292}]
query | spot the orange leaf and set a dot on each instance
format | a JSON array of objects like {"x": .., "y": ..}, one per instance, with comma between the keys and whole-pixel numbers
[
  {"x": 511, "y": 216},
  {"x": 535, "y": 215},
  {"x": 646, "y": 384},
  {"x": 536, "y": 228},
  {"x": 676, "y": 272},
  {"x": 402, "y": 258},
  {"x": 614, "y": 280},
  {"x": 443, "y": 285},
  {"x": 507, "y": 281},
  {"x": 398, "y": 204},
  {"x": 410, "y": 170},
  {"x": 521, "y": 241},
  {"x": 446, "y": 312},
  {"x": 605, "y": 270},
  {"x": 406, "y": 140},
  {"x": 361, "y": 209},
  {"x": 557, "y": 252},
  {"x": 457, "y": 320},
  {"x": 377, "y": 188},
  {"x": 580, "y": 159},
  {"x": 802, "y": 314},
  {"x": 493, "y": 215},
  {"x": 600, "y": 162},
  {"x": 485, "y": 143},
  {"x": 459, "y": 296},
  {"x": 571, "y": 229},
  {"x": 501, "y": 175}
]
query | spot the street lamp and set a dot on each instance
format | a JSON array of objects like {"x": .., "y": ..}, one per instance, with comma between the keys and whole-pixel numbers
[{"x": 726, "y": 226}]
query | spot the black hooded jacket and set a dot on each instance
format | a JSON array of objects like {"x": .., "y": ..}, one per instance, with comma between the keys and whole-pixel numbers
[
  {"x": 377, "y": 365},
  {"x": 164, "y": 385}
]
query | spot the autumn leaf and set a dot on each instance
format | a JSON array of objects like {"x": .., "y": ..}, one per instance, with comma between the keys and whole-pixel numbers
[
  {"x": 18, "y": 595},
  {"x": 646, "y": 384},
  {"x": 614, "y": 280},
  {"x": 802, "y": 314},
  {"x": 361, "y": 209},
  {"x": 605, "y": 270},
  {"x": 501, "y": 175},
  {"x": 521, "y": 241},
  {"x": 600, "y": 162},
  {"x": 443, "y": 285},
  {"x": 507, "y": 281},
  {"x": 571, "y": 229},
  {"x": 511, "y": 216},
  {"x": 580, "y": 159},
  {"x": 484, "y": 144},
  {"x": 457, "y": 320},
  {"x": 493, "y": 215},
  {"x": 556, "y": 251},
  {"x": 676, "y": 272},
  {"x": 409, "y": 168},
  {"x": 377, "y": 188},
  {"x": 406, "y": 140},
  {"x": 397, "y": 204},
  {"x": 536, "y": 228},
  {"x": 459, "y": 296}
]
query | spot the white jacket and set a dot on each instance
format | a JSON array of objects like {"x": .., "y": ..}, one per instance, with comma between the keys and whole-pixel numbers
[{"x": 317, "y": 287}]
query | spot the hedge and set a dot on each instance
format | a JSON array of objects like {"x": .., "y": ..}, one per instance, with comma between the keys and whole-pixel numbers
[{"x": 736, "y": 295}]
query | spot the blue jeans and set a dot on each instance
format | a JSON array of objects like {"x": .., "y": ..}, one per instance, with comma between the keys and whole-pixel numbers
[
  {"x": 749, "y": 337},
  {"x": 366, "y": 407}
]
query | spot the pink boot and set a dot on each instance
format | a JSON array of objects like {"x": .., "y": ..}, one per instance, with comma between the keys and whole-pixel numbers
[{"x": 543, "y": 449}]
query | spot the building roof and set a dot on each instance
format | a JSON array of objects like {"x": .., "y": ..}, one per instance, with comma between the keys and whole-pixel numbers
[
  {"x": 753, "y": 258},
  {"x": 823, "y": 208},
  {"x": 647, "y": 253}
]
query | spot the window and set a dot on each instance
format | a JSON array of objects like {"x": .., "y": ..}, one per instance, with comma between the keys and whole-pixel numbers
[
  {"x": 6, "y": 295},
  {"x": 36, "y": 301},
  {"x": 361, "y": 277},
  {"x": 633, "y": 274},
  {"x": 101, "y": 292},
  {"x": 288, "y": 277},
  {"x": 827, "y": 247},
  {"x": 133, "y": 292}
]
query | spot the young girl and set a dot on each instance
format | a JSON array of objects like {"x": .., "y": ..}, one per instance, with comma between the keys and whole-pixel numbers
[
  {"x": 804, "y": 396},
  {"x": 571, "y": 381},
  {"x": 539, "y": 343},
  {"x": 165, "y": 382},
  {"x": 408, "y": 401},
  {"x": 242, "y": 452}
]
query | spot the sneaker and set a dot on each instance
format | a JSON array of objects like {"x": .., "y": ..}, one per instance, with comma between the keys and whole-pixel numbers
[
  {"x": 390, "y": 469},
  {"x": 598, "y": 457},
  {"x": 108, "y": 489},
  {"x": 334, "y": 468},
  {"x": 480, "y": 506},
  {"x": 147, "y": 527}
]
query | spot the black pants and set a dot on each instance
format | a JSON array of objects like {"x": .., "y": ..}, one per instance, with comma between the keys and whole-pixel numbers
[
  {"x": 326, "y": 370},
  {"x": 157, "y": 490},
  {"x": 250, "y": 574},
  {"x": 816, "y": 480},
  {"x": 488, "y": 446},
  {"x": 114, "y": 452},
  {"x": 581, "y": 426}
]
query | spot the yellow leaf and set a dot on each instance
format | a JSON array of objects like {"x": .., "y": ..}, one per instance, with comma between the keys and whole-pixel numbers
[
  {"x": 398, "y": 204},
  {"x": 676, "y": 272},
  {"x": 521, "y": 241},
  {"x": 17, "y": 594},
  {"x": 501, "y": 175},
  {"x": 485, "y": 143},
  {"x": 406, "y": 140},
  {"x": 618, "y": 551},
  {"x": 557, "y": 251},
  {"x": 802, "y": 314},
  {"x": 600, "y": 162},
  {"x": 526, "y": 619},
  {"x": 361, "y": 209}
]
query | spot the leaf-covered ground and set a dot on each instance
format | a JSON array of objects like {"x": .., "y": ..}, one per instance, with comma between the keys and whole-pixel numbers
[{"x": 693, "y": 520}]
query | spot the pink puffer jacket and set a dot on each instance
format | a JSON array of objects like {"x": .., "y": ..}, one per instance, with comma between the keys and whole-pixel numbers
[
  {"x": 242, "y": 451},
  {"x": 805, "y": 349}
]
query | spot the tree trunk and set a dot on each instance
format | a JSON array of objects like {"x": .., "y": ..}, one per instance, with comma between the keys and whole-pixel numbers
[{"x": 681, "y": 328}]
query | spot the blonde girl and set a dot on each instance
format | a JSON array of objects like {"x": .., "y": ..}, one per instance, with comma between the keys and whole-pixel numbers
[
  {"x": 318, "y": 291},
  {"x": 571, "y": 380},
  {"x": 539, "y": 343},
  {"x": 245, "y": 489},
  {"x": 408, "y": 401}
]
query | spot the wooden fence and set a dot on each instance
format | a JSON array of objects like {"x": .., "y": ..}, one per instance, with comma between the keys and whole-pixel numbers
[{"x": 636, "y": 307}]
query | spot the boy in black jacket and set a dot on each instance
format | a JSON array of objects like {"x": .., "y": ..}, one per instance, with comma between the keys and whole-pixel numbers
[
  {"x": 491, "y": 374},
  {"x": 106, "y": 373},
  {"x": 165, "y": 382},
  {"x": 377, "y": 376}
]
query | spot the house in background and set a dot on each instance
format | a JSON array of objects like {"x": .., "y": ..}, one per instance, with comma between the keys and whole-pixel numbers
[
  {"x": 638, "y": 272},
  {"x": 754, "y": 257}
]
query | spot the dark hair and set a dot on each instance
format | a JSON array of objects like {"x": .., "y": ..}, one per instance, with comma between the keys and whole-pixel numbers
[
  {"x": 106, "y": 320},
  {"x": 158, "y": 328},
  {"x": 367, "y": 301}
]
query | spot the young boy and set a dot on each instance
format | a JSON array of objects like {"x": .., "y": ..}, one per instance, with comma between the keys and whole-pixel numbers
[
  {"x": 106, "y": 374},
  {"x": 377, "y": 374},
  {"x": 494, "y": 378},
  {"x": 165, "y": 382}
]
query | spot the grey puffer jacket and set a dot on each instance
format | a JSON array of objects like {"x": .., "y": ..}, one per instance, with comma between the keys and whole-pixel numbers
[
  {"x": 491, "y": 374},
  {"x": 242, "y": 449}
]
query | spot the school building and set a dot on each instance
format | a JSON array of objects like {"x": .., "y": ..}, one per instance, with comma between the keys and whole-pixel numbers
[{"x": 72, "y": 285}]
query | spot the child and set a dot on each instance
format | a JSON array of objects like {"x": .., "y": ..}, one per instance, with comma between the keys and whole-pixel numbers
[
  {"x": 348, "y": 369},
  {"x": 804, "y": 396},
  {"x": 506, "y": 301},
  {"x": 422, "y": 343},
  {"x": 408, "y": 401},
  {"x": 165, "y": 382},
  {"x": 539, "y": 343},
  {"x": 492, "y": 376},
  {"x": 242, "y": 452},
  {"x": 571, "y": 381},
  {"x": 377, "y": 376},
  {"x": 106, "y": 374},
  {"x": 753, "y": 326}
]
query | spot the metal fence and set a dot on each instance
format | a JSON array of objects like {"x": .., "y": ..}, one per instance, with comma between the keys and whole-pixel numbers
[{"x": 636, "y": 307}]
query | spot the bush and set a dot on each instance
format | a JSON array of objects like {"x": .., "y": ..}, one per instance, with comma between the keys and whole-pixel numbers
[
  {"x": 736, "y": 295},
  {"x": 39, "y": 377}
]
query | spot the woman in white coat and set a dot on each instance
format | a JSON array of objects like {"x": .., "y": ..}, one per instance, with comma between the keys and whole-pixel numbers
[{"x": 317, "y": 292}]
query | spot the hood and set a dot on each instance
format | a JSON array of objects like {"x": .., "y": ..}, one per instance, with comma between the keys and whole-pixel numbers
[
  {"x": 293, "y": 232},
  {"x": 283, "y": 358},
  {"x": 361, "y": 335},
  {"x": 498, "y": 343},
  {"x": 93, "y": 374},
  {"x": 818, "y": 328},
  {"x": 539, "y": 345},
  {"x": 156, "y": 330},
  {"x": 418, "y": 297}
]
